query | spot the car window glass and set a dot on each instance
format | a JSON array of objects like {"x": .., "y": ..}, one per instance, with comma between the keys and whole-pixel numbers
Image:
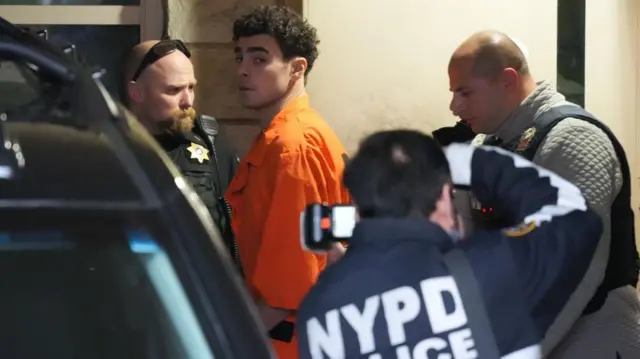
[
  {"x": 78, "y": 298},
  {"x": 19, "y": 85}
]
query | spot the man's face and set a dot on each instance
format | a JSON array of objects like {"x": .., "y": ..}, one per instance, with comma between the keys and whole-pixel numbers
[
  {"x": 166, "y": 94},
  {"x": 478, "y": 101},
  {"x": 445, "y": 213},
  {"x": 264, "y": 76}
]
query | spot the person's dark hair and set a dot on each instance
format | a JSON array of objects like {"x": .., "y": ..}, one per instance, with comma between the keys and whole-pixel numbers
[
  {"x": 397, "y": 174},
  {"x": 294, "y": 35}
]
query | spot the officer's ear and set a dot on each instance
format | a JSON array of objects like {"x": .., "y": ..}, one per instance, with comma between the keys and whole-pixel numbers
[
  {"x": 134, "y": 92},
  {"x": 509, "y": 79},
  {"x": 444, "y": 211}
]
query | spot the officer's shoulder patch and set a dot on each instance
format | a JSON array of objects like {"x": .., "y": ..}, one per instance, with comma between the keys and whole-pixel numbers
[
  {"x": 520, "y": 230},
  {"x": 525, "y": 139}
]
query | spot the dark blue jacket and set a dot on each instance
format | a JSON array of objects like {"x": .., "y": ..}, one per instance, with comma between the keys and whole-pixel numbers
[{"x": 384, "y": 297}]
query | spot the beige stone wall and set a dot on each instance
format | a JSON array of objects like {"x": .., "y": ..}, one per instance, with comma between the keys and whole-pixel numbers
[
  {"x": 396, "y": 74},
  {"x": 205, "y": 26}
]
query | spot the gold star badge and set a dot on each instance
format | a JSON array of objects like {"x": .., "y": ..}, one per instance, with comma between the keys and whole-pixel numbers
[{"x": 198, "y": 152}]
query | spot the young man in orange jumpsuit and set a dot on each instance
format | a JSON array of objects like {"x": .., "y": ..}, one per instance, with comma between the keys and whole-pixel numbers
[{"x": 296, "y": 160}]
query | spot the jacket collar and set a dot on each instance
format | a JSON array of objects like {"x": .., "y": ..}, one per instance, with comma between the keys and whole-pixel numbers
[
  {"x": 389, "y": 232},
  {"x": 258, "y": 150},
  {"x": 542, "y": 99}
]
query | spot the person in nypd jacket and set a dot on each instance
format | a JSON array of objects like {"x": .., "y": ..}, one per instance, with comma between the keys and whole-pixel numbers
[{"x": 396, "y": 293}]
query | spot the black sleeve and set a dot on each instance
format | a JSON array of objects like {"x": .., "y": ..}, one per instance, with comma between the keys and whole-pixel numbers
[
  {"x": 228, "y": 160},
  {"x": 458, "y": 133},
  {"x": 234, "y": 161},
  {"x": 551, "y": 250},
  {"x": 517, "y": 186}
]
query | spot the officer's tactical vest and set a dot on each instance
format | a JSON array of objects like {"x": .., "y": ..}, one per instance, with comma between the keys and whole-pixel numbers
[
  {"x": 199, "y": 166},
  {"x": 622, "y": 267},
  {"x": 198, "y": 169}
]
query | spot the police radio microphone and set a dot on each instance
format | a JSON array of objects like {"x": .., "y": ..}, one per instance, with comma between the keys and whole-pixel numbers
[
  {"x": 209, "y": 125},
  {"x": 322, "y": 225}
]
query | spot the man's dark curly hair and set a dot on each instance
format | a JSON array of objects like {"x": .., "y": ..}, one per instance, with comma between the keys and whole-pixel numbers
[{"x": 294, "y": 35}]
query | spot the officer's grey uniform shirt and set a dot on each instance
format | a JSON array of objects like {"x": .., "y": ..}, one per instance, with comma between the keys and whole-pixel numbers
[{"x": 583, "y": 154}]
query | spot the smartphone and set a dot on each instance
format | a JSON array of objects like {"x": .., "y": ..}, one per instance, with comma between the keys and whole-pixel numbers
[{"x": 322, "y": 225}]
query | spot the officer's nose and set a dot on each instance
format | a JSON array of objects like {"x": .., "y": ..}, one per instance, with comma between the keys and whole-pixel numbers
[
  {"x": 456, "y": 105},
  {"x": 187, "y": 98}
]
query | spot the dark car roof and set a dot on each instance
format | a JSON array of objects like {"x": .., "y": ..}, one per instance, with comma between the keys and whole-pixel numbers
[
  {"x": 62, "y": 163},
  {"x": 113, "y": 165}
]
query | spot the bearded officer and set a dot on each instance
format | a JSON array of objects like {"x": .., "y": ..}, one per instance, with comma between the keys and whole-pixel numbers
[
  {"x": 495, "y": 93},
  {"x": 160, "y": 84}
]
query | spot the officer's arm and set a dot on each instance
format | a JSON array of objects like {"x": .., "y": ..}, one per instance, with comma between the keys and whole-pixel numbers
[
  {"x": 232, "y": 159},
  {"x": 234, "y": 163},
  {"x": 583, "y": 154},
  {"x": 284, "y": 272},
  {"x": 516, "y": 186},
  {"x": 553, "y": 248}
]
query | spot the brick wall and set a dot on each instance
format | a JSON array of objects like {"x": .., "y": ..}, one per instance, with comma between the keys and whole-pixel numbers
[{"x": 205, "y": 26}]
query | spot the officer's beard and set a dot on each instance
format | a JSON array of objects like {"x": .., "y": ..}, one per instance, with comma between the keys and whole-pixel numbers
[{"x": 181, "y": 121}]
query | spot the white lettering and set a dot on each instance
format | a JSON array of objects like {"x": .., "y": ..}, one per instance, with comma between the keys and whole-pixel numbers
[
  {"x": 432, "y": 294},
  {"x": 362, "y": 323},
  {"x": 401, "y": 305},
  {"x": 328, "y": 341},
  {"x": 422, "y": 349},
  {"x": 462, "y": 344},
  {"x": 402, "y": 352}
]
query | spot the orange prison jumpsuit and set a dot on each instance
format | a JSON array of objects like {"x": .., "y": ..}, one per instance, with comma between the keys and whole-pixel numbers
[{"x": 296, "y": 161}]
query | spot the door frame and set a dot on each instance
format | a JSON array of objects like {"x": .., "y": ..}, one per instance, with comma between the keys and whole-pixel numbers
[
  {"x": 148, "y": 15},
  {"x": 635, "y": 172}
]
